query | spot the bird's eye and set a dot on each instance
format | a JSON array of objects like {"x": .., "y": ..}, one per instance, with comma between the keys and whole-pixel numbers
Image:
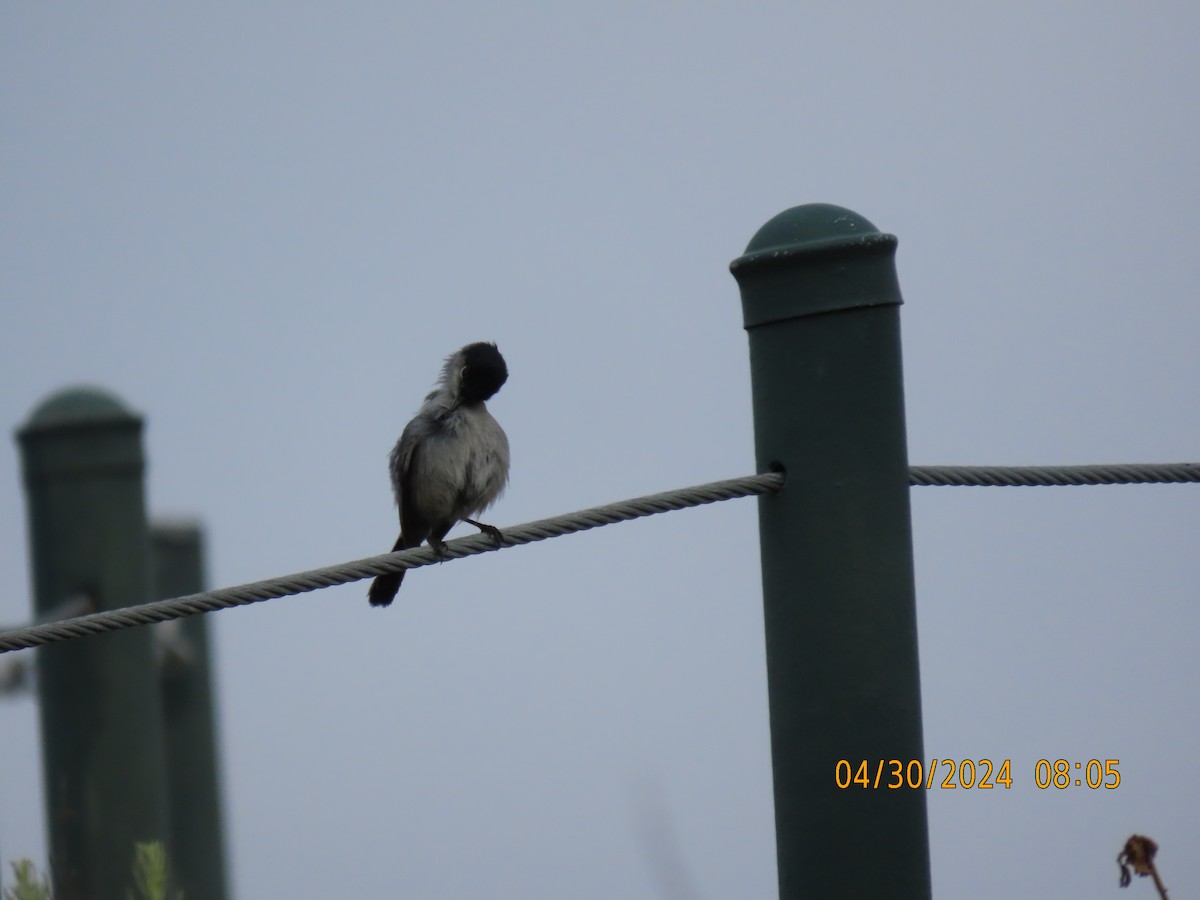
[{"x": 463, "y": 373}]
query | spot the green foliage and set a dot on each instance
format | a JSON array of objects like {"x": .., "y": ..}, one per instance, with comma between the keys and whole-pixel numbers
[
  {"x": 151, "y": 872},
  {"x": 28, "y": 886},
  {"x": 151, "y": 875}
]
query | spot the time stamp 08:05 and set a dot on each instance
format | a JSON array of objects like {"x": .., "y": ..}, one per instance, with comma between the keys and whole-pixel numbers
[{"x": 974, "y": 774}]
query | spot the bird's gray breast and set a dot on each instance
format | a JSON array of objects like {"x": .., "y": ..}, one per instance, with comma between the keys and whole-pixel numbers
[{"x": 460, "y": 466}]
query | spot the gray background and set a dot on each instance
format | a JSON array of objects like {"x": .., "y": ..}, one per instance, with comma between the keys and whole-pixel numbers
[{"x": 265, "y": 225}]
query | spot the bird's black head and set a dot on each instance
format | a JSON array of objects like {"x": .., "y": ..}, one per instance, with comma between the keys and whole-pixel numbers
[{"x": 483, "y": 372}]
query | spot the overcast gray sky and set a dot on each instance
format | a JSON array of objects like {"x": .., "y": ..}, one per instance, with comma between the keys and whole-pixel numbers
[{"x": 264, "y": 227}]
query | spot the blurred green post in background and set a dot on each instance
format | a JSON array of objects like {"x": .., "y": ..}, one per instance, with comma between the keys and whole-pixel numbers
[
  {"x": 100, "y": 707},
  {"x": 821, "y": 305},
  {"x": 189, "y": 717}
]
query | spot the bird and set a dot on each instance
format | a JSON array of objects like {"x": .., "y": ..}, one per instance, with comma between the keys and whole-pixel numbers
[{"x": 451, "y": 461}]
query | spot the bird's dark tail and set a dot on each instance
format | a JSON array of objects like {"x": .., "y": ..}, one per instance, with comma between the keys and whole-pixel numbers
[{"x": 384, "y": 587}]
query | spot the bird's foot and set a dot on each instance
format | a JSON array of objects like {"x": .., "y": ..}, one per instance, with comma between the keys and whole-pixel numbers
[
  {"x": 490, "y": 530},
  {"x": 439, "y": 547}
]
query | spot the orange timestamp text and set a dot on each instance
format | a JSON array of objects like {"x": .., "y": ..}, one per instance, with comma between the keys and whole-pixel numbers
[{"x": 972, "y": 774}]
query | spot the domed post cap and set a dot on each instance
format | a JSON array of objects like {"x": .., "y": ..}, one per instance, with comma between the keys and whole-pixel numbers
[
  {"x": 80, "y": 429},
  {"x": 78, "y": 406},
  {"x": 812, "y": 259}
]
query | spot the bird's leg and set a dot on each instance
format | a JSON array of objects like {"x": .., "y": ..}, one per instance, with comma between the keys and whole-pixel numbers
[
  {"x": 490, "y": 530},
  {"x": 438, "y": 545}
]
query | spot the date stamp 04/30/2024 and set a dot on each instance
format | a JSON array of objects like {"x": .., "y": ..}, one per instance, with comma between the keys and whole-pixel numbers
[{"x": 974, "y": 774}]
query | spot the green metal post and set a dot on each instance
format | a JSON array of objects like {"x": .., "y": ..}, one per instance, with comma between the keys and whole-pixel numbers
[
  {"x": 102, "y": 739},
  {"x": 820, "y": 301},
  {"x": 193, "y": 773}
]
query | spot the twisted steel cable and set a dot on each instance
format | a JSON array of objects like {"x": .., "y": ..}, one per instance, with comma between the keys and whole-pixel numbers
[
  {"x": 302, "y": 582},
  {"x": 652, "y": 504},
  {"x": 1053, "y": 476}
]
